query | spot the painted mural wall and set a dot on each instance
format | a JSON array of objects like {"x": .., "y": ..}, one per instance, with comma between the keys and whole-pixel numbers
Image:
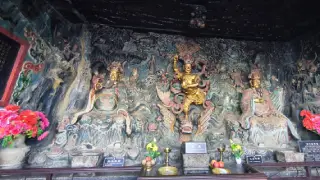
[{"x": 69, "y": 74}]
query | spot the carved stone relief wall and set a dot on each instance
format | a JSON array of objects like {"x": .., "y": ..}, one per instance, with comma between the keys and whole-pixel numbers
[
  {"x": 110, "y": 91},
  {"x": 303, "y": 92},
  {"x": 120, "y": 115}
]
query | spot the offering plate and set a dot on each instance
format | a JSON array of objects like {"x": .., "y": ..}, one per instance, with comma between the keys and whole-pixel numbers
[
  {"x": 168, "y": 171},
  {"x": 221, "y": 171}
]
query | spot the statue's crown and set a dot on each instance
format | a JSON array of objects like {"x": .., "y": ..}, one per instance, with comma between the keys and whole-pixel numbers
[
  {"x": 255, "y": 74},
  {"x": 115, "y": 64},
  {"x": 187, "y": 47},
  {"x": 187, "y": 59}
]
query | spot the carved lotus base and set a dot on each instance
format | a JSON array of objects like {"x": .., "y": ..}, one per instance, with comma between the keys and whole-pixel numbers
[{"x": 84, "y": 161}]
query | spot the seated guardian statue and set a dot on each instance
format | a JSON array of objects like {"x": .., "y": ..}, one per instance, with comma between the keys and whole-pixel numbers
[{"x": 267, "y": 126}]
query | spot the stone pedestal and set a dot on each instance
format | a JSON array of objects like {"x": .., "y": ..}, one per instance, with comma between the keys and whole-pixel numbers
[
  {"x": 196, "y": 163},
  {"x": 289, "y": 156},
  {"x": 84, "y": 161}
]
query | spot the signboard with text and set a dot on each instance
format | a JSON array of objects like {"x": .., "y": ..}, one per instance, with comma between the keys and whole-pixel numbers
[
  {"x": 254, "y": 159},
  {"x": 113, "y": 162},
  {"x": 194, "y": 148},
  {"x": 311, "y": 149}
]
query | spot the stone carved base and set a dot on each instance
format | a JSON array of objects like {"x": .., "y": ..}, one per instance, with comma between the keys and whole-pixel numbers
[
  {"x": 289, "y": 156},
  {"x": 48, "y": 157},
  {"x": 259, "y": 135},
  {"x": 268, "y": 154},
  {"x": 269, "y": 136},
  {"x": 56, "y": 164},
  {"x": 84, "y": 161},
  {"x": 196, "y": 163}
]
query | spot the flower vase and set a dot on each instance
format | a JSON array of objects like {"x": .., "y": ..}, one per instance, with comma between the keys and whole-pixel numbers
[
  {"x": 13, "y": 156},
  {"x": 238, "y": 160},
  {"x": 148, "y": 164}
]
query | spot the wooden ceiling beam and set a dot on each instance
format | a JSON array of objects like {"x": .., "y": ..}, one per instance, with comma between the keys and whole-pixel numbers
[{"x": 271, "y": 19}]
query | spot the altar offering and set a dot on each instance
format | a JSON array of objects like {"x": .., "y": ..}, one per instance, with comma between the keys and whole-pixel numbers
[
  {"x": 221, "y": 171},
  {"x": 168, "y": 170}
]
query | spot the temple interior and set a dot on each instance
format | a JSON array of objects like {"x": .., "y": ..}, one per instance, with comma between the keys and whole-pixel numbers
[{"x": 163, "y": 89}]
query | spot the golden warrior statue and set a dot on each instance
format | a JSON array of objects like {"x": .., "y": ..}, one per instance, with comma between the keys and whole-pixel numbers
[
  {"x": 190, "y": 86},
  {"x": 116, "y": 71}
]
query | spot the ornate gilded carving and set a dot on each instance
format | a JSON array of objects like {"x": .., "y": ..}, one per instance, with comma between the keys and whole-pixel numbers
[
  {"x": 116, "y": 71},
  {"x": 190, "y": 85},
  {"x": 192, "y": 92}
]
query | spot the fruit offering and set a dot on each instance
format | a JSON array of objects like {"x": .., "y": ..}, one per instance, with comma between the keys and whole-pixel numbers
[
  {"x": 216, "y": 164},
  {"x": 148, "y": 161}
]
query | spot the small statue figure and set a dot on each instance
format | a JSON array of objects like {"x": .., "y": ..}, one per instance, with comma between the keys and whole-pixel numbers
[
  {"x": 307, "y": 65},
  {"x": 99, "y": 83},
  {"x": 108, "y": 118},
  {"x": 164, "y": 78},
  {"x": 116, "y": 71},
  {"x": 152, "y": 66},
  {"x": 236, "y": 77},
  {"x": 96, "y": 81},
  {"x": 134, "y": 76},
  {"x": 274, "y": 81},
  {"x": 190, "y": 87},
  {"x": 266, "y": 124}
]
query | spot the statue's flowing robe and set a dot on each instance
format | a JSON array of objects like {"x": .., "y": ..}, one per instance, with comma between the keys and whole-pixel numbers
[{"x": 266, "y": 125}]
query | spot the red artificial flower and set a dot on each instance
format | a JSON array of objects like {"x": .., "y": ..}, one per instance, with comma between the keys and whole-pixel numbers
[
  {"x": 14, "y": 122},
  {"x": 31, "y": 120},
  {"x": 42, "y": 136},
  {"x": 44, "y": 120},
  {"x": 12, "y": 107},
  {"x": 34, "y": 134},
  {"x": 29, "y": 117},
  {"x": 308, "y": 124},
  {"x": 15, "y": 131},
  {"x": 2, "y": 132},
  {"x": 28, "y": 113},
  {"x": 34, "y": 131}
]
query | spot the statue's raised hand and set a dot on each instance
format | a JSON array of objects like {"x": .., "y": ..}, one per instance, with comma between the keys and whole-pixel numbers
[{"x": 175, "y": 58}]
